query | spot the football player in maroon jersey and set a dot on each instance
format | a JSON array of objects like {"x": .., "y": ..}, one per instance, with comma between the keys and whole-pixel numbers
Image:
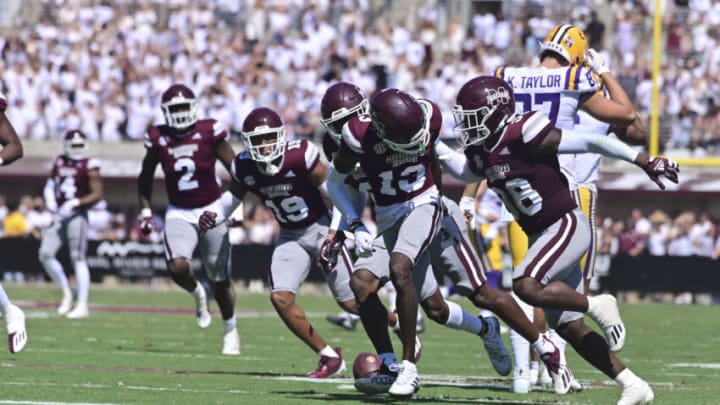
[
  {"x": 394, "y": 146},
  {"x": 14, "y": 317},
  {"x": 73, "y": 187},
  {"x": 517, "y": 154},
  {"x": 289, "y": 178},
  {"x": 187, "y": 147}
]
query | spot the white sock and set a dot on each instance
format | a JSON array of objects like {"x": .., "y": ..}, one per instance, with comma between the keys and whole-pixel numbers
[
  {"x": 557, "y": 339},
  {"x": 542, "y": 345},
  {"x": 625, "y": 377},
  {"x": 388, "y": 359},
  {"x": 4, "y": 300},
  {"x": 353, "y": 317},
  {"x": 54, "y": 269},
  {"x": 82, "y": 275},
  {"x": 460, "y": 319},
  {"x": 391, "y": 295},
  {"x": 328, "y": 351},
  {"x": 520, "y": 346},
  {"x": 230, "y": 324},
  {"x": 199, "y": 293},
  {"x": 592, "y": 303},
  {"x": 520, "y": 350}
]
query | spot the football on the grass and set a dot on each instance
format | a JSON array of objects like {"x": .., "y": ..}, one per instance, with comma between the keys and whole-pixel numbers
[{"x": 366, "y": 365}]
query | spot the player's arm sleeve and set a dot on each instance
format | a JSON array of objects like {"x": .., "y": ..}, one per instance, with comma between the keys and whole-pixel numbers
[
  {"x": 345, "y": 198},
  {"x": 49, "y": 195},
  {"x": 579, "y": 142},
  {"x": 455, "y": 163}
]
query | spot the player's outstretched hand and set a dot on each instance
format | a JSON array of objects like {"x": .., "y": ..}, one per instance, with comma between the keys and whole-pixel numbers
[
  {"x": 147, "y": 225},
  {"x": 328, "y": 254},
  {"x": 655, "y": 167},
  {"x": 596, "y": 62},
  {"x": 208, "y": 220}
]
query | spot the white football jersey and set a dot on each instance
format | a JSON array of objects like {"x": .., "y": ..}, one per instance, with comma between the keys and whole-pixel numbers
[{"x": 555, "y": 92}]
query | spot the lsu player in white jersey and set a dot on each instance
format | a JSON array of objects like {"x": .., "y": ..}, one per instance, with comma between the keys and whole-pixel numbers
[
  {"x": 585, "y": 167},
  {"x": 567, "y": 81}
]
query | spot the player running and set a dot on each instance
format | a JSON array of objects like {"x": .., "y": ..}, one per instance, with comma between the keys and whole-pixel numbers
[
  {"x": 517, "y": 154},
  {"x": 187, "y": 147},
  {"x": 289, "y": 178}
]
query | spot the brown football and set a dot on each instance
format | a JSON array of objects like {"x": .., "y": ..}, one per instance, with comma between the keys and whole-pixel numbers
[{"x": 366, "y": 365}]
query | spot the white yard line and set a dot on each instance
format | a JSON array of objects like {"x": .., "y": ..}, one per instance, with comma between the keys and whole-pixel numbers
[{"x": 107, "y": 386}]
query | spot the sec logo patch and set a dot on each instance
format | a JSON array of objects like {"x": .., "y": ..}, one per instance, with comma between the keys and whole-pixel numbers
[{"x": 249, "y": 180}]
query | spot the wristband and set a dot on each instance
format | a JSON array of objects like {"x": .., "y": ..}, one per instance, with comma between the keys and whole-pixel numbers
[
  {"x": 355, "y": 225},
  {"x": 2, "y": 162},
  {"x": 146, "y": 212}
]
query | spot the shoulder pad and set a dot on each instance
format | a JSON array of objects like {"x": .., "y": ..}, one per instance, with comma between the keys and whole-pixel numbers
[{"x": 534, "y": 124}]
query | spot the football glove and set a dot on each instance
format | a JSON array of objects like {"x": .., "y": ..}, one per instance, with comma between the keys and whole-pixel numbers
[
  {"x": 655, "y": 167},
  {"x": 596, "y": 62},
  {"x": 68, "y": 208},
  {"x": 363, "y": 239},
  {"x": 146, "y": 222},
  {"x": 467, "y": 205},
  {"x": 328, "y": 253}
]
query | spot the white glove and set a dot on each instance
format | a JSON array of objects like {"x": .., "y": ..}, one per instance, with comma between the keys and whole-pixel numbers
[
  {"x": 467, "y": 205},
  {"x": 363, "y": 240},
  {"x": 596, "y": 62},
  {"x": 68, "y": 208}
]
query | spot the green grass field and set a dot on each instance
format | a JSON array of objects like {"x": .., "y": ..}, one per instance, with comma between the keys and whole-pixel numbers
[{"x": 151, "y": 357}]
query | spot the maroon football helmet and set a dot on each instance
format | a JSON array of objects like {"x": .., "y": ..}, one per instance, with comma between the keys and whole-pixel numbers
[
  {"x": 341, "y": 102},
  {"x": 75, "y": 145},
  {"x": 264, "y": 135},
  {"x": 180, "y": 107},
  {"x": 484, "y": 106},
  {"x": 401, "y": 121}
]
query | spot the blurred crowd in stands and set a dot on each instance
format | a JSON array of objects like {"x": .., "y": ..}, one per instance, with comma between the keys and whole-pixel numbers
[{"x": 101, "y": 65}]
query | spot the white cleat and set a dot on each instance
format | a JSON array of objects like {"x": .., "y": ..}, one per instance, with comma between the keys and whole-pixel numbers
[
  {"x": 231, "y": 343},
  {"x": 639, "y": 392},
  {"x": 575, "y": 385},
  {"x": 80, "y": 311},
  {"x": 65, "y": 305},
  {"x": 556, "y": 365},
  {"x": 202, "y": 313},
  {"x": 605, "y": 312},
  {"x": 15, "y": 324},
  {"x": 407, "y": 381},
  {"x": 521, "y": 381}
]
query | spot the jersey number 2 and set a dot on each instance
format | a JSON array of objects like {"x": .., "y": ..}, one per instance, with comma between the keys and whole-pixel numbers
[{"x": 186, "y": 181}]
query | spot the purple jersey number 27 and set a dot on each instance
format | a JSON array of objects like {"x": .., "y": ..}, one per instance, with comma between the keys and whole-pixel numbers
[{"x": 537, "y": 102}]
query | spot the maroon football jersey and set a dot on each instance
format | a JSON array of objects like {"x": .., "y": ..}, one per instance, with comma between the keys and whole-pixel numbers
[
  {"x": 357, "y": 178},
  {"x": 71, "y": 177},
  {"x": 533, "y": 189},
  {"x": 188, "y": 162},
  {"x": 394, "y": 177},
  {"x": 294, "y": 200}
]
